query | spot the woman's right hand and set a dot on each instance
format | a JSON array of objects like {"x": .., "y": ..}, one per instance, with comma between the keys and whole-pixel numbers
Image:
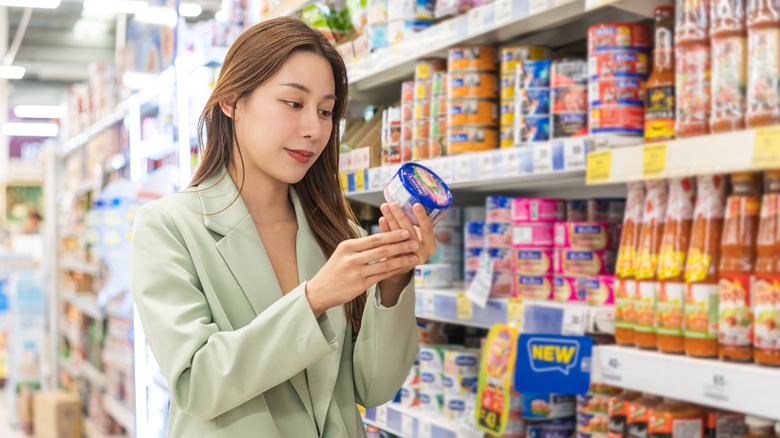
[{"x": 358, "y": 264}]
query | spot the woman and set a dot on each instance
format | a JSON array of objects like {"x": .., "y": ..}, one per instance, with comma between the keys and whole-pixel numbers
[{"x": 267, "y": 311}]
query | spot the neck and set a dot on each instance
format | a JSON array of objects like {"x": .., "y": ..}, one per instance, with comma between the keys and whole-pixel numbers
[{"x": 265, "y": 198}]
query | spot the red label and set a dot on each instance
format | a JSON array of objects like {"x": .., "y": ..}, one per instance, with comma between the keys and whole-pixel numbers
[
  {"x": 693, "y": 83},
  {"x": 766, "y": 310}
]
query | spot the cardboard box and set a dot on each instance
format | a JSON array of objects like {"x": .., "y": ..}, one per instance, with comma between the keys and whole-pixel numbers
[{"x": 57, "y": 415}]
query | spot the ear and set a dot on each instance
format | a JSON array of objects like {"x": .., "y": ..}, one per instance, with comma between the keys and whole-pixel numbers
[{"x": 227, "y": 107}]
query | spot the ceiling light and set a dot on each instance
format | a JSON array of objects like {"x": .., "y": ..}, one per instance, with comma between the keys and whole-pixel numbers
[
  {"x": 137, "y": 80},
  {"x": 190, "y": 10},
  {"x": 39, "y": 111},
  {"x": 116, "y": 6},
  {"x": 31, "y": 129},
  {"x": 93, "y": 14},
  {"x": 46, "y": 4},
  {"x": 158, "y": 15},
  {"x": 90, "y": 28},
  {"x": 221, "y": 16},
  {"x": 11, "y": 72}
]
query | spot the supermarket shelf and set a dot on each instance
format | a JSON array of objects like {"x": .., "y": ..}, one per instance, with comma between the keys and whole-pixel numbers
[
  {"x": 74, "y": 265},
  {"x": 156, "y": 148},
  {"x": 93, "y": 375},
  {"x": 123, "y": 415},
  {"x": 119, "y": 113},
  {"x": 442, "y": 305},
  {"x": 118, "y": 363},
  {"x": 410, "y": 423},
  {"x": 66, "y": 366},
  {"x": 86, "y": 303},
  {"x": 70, "y": 334},
  {"x": 708, "y": 154},
  {"x": 744, "y": 388}
]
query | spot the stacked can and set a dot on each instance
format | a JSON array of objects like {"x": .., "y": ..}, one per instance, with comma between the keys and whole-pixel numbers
[
  {"x": 593, "y": 411},
  {"x": 439, "y": 126},
  {"x": 461, "y": 372},
  {"x": 533, "y": 228},
  {"x": 377, "y": 24},
  {"x": 407, "y": 121},
  {"x": 410, "y": 390},
  {"x": 431, "y": 392},
  {"x": 618, "y": 69},
  {"x": 423, "y": 100},
  {"x": 473, "y": 108},
  {"x": 509, "y": 58},
  {"x": 406, "y": 17},
  {"x": 392, "y": 131},
  {"x": 498, "y": 243},
  {"x": 532, "y": 101},
  {"x": 569, "y": 98},
  {"x": 473, "y": 246}
]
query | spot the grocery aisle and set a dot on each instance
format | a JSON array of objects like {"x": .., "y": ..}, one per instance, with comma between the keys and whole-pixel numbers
[{"x": 6, "y": 431}]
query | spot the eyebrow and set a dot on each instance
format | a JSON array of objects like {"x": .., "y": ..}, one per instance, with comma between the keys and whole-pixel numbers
[{"x": 306, "y": 89}]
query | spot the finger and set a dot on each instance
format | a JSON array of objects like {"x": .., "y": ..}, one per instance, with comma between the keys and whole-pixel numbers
[
  {"x": 402, "y": 220},
  {"x": 388, "y": 214},
  {"x": 383, "y": 225},
  {"x": 423, "y": 221},
  {"x": 384, "y": 276},
  {"x": 376, "y": 240},
  {"x": 387, "y": 251},
  {"x": 407, "y": 262}
]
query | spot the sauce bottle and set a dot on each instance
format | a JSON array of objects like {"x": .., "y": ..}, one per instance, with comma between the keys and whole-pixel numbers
[
  {"x": 763, "y": 96},
  {"x": 639, "y": 415},
  {"x": 619, "y": 407},
  {"x": 701, "y": 268},
  {"x": 759, "y": 427},
  {"x": 692, "y": 68},
  {"x": 676, "y": 419},
  {"x": 766, "y": 288},
  {"x": 625, "y": 316},
  {"x": 737, "y": 262},
  {"x": 659, "y": 100},
  {"x": 729, "y": 65},
  {"x": 671, "y": 265},
  {"x": 650, "y": 235}
]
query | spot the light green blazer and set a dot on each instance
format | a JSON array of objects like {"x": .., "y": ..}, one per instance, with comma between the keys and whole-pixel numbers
[{"x": 241, "y": 359}]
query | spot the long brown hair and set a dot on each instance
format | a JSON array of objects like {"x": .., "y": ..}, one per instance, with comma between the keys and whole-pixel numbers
[{"x": 256, "y": 56}]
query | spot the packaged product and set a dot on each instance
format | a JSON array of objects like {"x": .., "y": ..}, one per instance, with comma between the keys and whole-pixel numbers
[
  {"x": 401, "y": 30},
  {"x": 510, "y": 56},
  {"x": 471, "y": 58},
  {"x": 570, "y": 125},
  {"x": 766, "y": 289},
  {"x": 432, "y": 382},
  {"x": 507, "y": 87},
  {"x": 410, "y": 396},
  {"x": 567, "y": 72},
  {"x": 676, "y": 419},
  {"x": 533, "y": 74},
  {"x": 472, "y": 139},
  {"x": 532, "y": 102},
  {"x": 725, "y": 424},
  {"x": 482, "y": 85},
  {"x": 562, "y": 428},
  {"x": 611, "y": 92},
  {"x": 501, "y": 286},
  {"x": 499, "y": 235},
  {"x": 538, "y": 287},
  {"x": 625, "y": 316},
  {"x": 533, "y": 261},
  {"x": 532, "y": 129},
  {"x": 759, "y": 427},
  {"x": 639, "y": 415},
  {"x": 588, "y": 423},
  {"x": 507, "y": 113},
  {"x": 729, "y": 65},
  {"x": 439, "y": 83},
  {"x": 700, "y": 326},
  {"x": 437, "y": 275},
  {"x": 577, "y": 210},
  {"x": 618, "y": 412},
  {"x": 576, "y": 262},
  {"x": 410, "y": 10},
  {"x": 407, "y": 92},
  {"x": 473, "y": 112},
  {"x": 536, "y": 235},
  {"x": 693, "y": 22},
  {"x": 471, "y": 258},
  {"x": 422, "y": 111},
  {"x": 407, "y": 112},
  {"x": 540, "y": 406},
  {"x": 600, "y": 290},
  {"x": 447, "y": 8},
  {"x": 763, "y": 100},
  {"x": 474, "y": 214},
  {"x": 474, "y": 233},
  {"x": 692, "y": 70},
  {"x": 415, "y": 184},
  {"x": 620, "y": 119},
  {"x": 507, "y": 137},
  {"x": 431, "y": 402},
  {"x": 455, "y": 406},
  {"x": 606, "y": 210},
  {"x": 498, "y": 209},
  {"x": 459, "y": 362},
  {"x": 427, "y": 67},
  {"x": 617, "y": 36},
  {"x": 568, "y": 100},
  {"x": 671, "y": 265},
  {"x": 567, "y": 288},
  {"x": 737, "y": 263},
  {"x": 502, "y": 259},
  {"x": 618, "y": 64},
  {"x": 460, "y": 384},
  {"x": 538, "y": 210},
  {"x": 586, "y": 235}
]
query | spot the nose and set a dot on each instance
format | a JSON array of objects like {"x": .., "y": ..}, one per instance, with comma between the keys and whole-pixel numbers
[{"x": 311, "y": 124}]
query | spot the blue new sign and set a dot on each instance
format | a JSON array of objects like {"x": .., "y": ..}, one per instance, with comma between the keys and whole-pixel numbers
[{"x": 553, "y": 364}]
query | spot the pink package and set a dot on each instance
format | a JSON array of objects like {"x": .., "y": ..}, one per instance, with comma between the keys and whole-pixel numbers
[
  {"x": 533, "y": 261},
  {"x": 569, "y": 288},
  {"x": 586, "y": 235},
  {"x": 474, "y": 235},
  {"x": 502, "y": 284},
  {"x": 529, "y": 286},
  {"x": 600, "y": 290},
  {"x": 502, "y": 259},
  {"x": 538, "y": 210},
  {"x": 583, "y": 262},
  {"x": 533, "y": 235},
  {"x": 499, "y": 235},
  {"x": 498, "y": 209},
  {"x": 471, "y": 258}
]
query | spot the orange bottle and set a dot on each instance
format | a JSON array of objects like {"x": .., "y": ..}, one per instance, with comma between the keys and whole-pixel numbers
[
  {"x": 700, "y": 326},
  {"x": 650, "y": 235},
  {"x": 737, "y": 262},
  {"x": 639, "y": 415},
  {"x": 692, "y": 67},
  {"x": 763, "y": 96},
  {"x": 619, "y": 407},
  {"x": 729, "y": 65},
  {"x": 671, "y": 265},
  {"x": 659, "y": 99},
  {"x": 766, "y": 288},
  {"x": 625, "y": 272},
  {"x": 672, "y": 417}
]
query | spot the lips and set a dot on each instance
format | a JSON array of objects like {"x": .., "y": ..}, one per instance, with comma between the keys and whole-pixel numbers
[{"x": 300, "y": 155}]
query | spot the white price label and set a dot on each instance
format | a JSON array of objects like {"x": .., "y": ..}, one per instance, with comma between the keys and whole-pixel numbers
[
  {"x": 468, "y": 428},
  {"x": 503, "y": 11},
  {"x": 498, "y": 163},
  {"x": 479, "y": 290},
  {"x": 537, "y": 6},
  {"x": 381, "y": 416},
  {"x": 574, "y": 321},
  {"x": 481, "y": 18},
  {"x": 511, "y": 162},
  {"x": 375, "y": 178},
  {"x": 425, "y": 430},
  {"x": 463, "y": 169},
  {"x": 611, "y": 369},
  {"x": 407, "y": 425},
  {"x": 485, "y": 165},
  {"x": 574, "y": 153},
  {"x": 429, "y": 305},
  {"x": 717, "y": 387},
  {"x": 543, "y": 158},
  {"x": 445, "y": 169}
]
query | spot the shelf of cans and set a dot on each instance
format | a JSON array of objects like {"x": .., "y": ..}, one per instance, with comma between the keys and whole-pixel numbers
[{"x": 405, "y": 422}]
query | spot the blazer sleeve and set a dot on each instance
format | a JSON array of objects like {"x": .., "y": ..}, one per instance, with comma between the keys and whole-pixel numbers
[
  {"x": 210, "y": 371},
  {"x": 385, "y": 348}
]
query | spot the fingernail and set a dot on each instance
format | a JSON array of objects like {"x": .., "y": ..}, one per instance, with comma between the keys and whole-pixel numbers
[
  {"x": 413, "y": 245},
  {"x": 404, "y": 234},
  {"x": 413, "y": 259},
  {"x": 383, "y": 207}
]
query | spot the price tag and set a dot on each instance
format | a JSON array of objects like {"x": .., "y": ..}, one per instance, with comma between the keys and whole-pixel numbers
[
  {"x": 425, "y": 429},
  {"x": 407, "y": 425},
  {"x": 653, "y": 160},
  {"x": 360, "y": 180},
  {"x": 717, "y": 387},
  {"x": 766, "y": 148},
  {"x": 381, "y": 416},
  {"x": 485, "y": 165},
  {"x": 543, "y": 158},
  {"x": 481, "y": 18},
  {"x": 344, "y": 181},
  {"x": 429, "y": 305},
  {"x": 468, "y": 427},
  {"x": 375, "y": 178},
  {"x": 611, "y": 369},
  {"x": 574, "y": 321},
  {"x": 445, "y": 169},
  {"x": 479, "y": 290},
  {"x": 574, "y": 153},
  {"x": 514, "y": 313},
  {"x": 599, "y": 167},
  {"x": 462, "y": 169},
  {"x": 511, "y": 162},
  {"x": 465, "y": 311},
  {"x": 503, "y": 11}
]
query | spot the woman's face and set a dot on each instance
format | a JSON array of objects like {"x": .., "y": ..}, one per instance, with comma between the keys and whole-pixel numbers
[{"x": 285, "y": 124}]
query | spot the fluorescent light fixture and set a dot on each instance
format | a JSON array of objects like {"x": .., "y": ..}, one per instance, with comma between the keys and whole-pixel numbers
[
  {"x": 190, "y": 10},
  {"x": 158, "y": 15},
  {"x": 94, "y": 14},
  {"x": 11, "y": 72},
  {"x": 31, "y": 129},
  {"x": 88, "y": 28},
  {"x": 45, "y": 4},
  {"x": 221, "y": 16},
  {"x": 116, "y": 6},
  {"x": 39, "y": 111},
  {"x": 136, "y": 80}
]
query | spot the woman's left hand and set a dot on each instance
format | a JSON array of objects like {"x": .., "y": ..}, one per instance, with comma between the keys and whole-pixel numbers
[{"x": 393, "y": 218}]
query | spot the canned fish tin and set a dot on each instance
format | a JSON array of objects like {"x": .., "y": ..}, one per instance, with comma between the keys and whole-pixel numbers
[
  {"x": 531, "y": 129},
  {"x": 422, "y": 89},
  {"x": 416, "y": 184},
  {"x": 569, "y": 288},
  {"x": 426, "y": 67},
  {"x": 508, "y": 136},
  {"x": 391, "y": 155},
  {"x": 439, "y": 106},
  {"x": 534, "y": 287},
  {"x": 569, "y": 99},
  {"x": 570, "y": 125},
  {"x": 567, "y": 72},
  {"x": 422, "y": 129},
  {"x": 439, "y": 84},
  {"x": 407, "y": 112},
  {"x": 606, "y": 92},
  {"x": 534, "y": 74},
  {"x": 407, "y": 150},
  {"x": 482, "y": 85},
  {"x": 422, "y": 110},
  {"x": 473, "y": 112},
  {"x": 616, "y": 36},
  {"x": 472, "y": 58},
  {"x": 532, "y": 102},
  {"x": 472, "y": 139},
  {"x": 627, "y": 120},
  {"x": 407, "y": 92},
  {"x": 509, "y": 56},
  {"x": 507, "y": 112},
  {"x": 422, "y": 149},
  {"x": 507, "y": 86},
  {"x": 619, "y": 64},
  {"x": 407, "y": 131},
  {"x": 438, "y": 137}
]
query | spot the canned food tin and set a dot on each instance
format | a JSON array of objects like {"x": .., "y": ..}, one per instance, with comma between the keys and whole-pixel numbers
[
  {"x": 606, "y": 92},
  {"x": 508, "y": 136},
  {"x": 399, "y": 10},
  {"x": 407, "y": 92},
  {"x": 569, "y": 99},
  {"x": 473, "y": 112},
  {"x": 612, "y": 36},
  {"x": 439, "y": 106},
  {"x": 570, "y": 125},
  {"x": 422, "y": 110},
  {"x": 407, "y": 149},
  {"x": 407, "y": 112},
  {"x": 623, "y": 119},
  {"x": 534, "y": 74},
  {"x": 532, "y": 129},
  {"x": 532, "y": 102},
  {"x": 421, "y": 149},
  {"x": 567, "y": 72},
  {"x": 438, "y": 137},
  {"x": 439, "y": 84},
  {"x": 507, "y": 112},
  {"x": 407, "y": 131},
  {"x": 534, "y": 287},
  {"x": 618, "y": 64},
  {"x": 422, "y": 129},
  {"x": 426, "y": 67},
  {"x": 507, "y": 86},
  {"x": 472, "y": 58},
  {"x": 474, "y": 85},
  {"x": 471, "y": 139},
  {"x": 422, "y": 89},
  {"x": 391, "y": 155},
  {"x": 509, "y": 56}
]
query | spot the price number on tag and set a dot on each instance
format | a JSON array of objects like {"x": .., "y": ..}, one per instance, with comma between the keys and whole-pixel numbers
[
  {"x": 599, "y": 167},
  {"x": 766, "y": 148},
  {"x": 654, "y": 160},
  {"x": 717, "y": 387},
  {"x": 574, "y": 322},
  {"x": 429, "y": 305},
  {"x": 465, "y": 311},
  {"x": 611, "y": 369}
]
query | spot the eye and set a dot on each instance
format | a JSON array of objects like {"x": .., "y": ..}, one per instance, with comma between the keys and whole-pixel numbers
[
  {"x": 295, "y": 105},
  {"x": 326, "y": 114}
]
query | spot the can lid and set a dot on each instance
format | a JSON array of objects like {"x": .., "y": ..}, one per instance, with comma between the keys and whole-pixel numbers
[
  {"x": 432, "y": 192},
  {"x": 753, "y": 421}
]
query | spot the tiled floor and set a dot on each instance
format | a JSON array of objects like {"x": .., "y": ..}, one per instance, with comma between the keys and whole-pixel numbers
[{"x": 5, "y": 429}]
